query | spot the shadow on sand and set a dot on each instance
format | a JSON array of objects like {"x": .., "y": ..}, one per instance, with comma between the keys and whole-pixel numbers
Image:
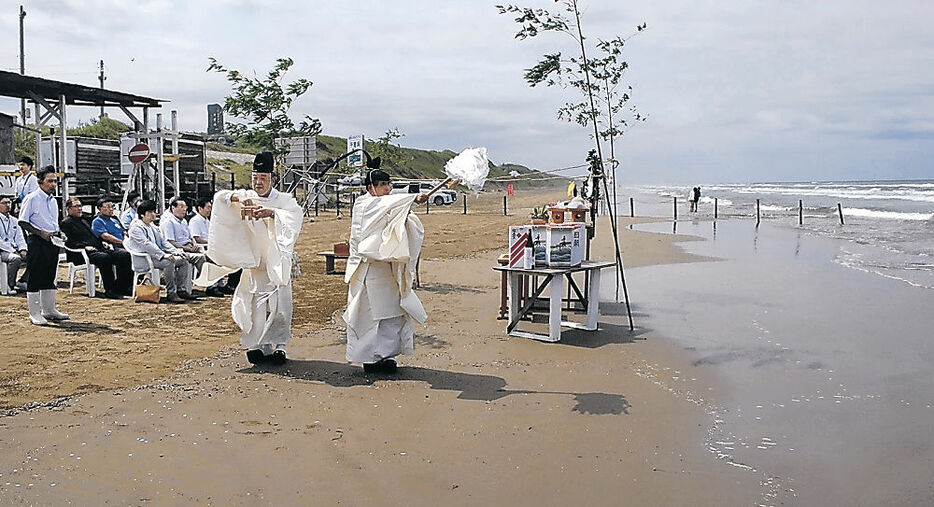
[
  {"x": 471, "y": 386},
  {"x": 72, "y": 326}
]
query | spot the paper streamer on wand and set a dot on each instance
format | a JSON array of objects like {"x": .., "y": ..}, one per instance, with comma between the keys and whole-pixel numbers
[{"x": 471, "y": 167}]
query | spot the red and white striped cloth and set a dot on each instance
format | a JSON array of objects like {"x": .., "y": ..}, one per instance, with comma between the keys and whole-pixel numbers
[{"x": 517, "y": 251}]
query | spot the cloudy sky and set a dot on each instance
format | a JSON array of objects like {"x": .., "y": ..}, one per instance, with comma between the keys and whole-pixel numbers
[{"x": 735, "y": 91}]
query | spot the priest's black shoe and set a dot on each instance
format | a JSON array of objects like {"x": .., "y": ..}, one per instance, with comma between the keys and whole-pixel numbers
[
  {"x": 255, "y": 356},
  {"x": 277, "y": 358},
  {"x": 384, "y": 366}
]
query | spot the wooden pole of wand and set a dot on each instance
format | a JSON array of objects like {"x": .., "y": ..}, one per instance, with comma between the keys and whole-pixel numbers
[{"x": 619, "y": 256}]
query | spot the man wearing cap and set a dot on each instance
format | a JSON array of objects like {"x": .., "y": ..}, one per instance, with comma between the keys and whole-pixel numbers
[
  {"x": 385, "y": 241},
  {"x": 256, "y": 230},
  {"x": 39, "y": 217}
]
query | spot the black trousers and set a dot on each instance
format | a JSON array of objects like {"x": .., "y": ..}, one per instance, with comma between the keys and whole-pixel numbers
[
  {"x": 105, "y": 264},
  {"x": 42, "y": 264},
  {"x": 124, "y": 265}
]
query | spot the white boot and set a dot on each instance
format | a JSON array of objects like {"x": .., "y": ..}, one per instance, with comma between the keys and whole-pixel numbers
[
  {"x": 47, "y": 300},
  {"x": 35, "y": 310}
]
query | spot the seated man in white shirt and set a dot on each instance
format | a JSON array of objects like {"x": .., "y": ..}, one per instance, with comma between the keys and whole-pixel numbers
[
  {"x": 145, "y": 237},
  {"x": 12, "y": 244},
  {"x": 175, "y": 230},
  {"x": 200, "y": 226}
]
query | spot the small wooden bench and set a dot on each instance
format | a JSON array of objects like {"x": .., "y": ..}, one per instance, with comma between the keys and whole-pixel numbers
[{"x": 329, "y": 261}]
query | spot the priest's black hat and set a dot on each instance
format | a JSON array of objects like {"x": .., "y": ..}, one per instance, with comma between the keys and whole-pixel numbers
[
  {"x": 372, "y": 163},
  {"x": 375, "y": 176},
  {"x": 264, "y": 162}
]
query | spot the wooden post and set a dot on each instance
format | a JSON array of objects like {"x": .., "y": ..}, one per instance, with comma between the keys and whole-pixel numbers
[
  {"x": 337, "y": 200},
  {"x": 213, "y": 182},
  {"x": 632, "y": 210},
  {"x": 232, "y": 183},
  {"x": 464, "y": 195},
  {"x": 840, "y": 211},
  {"x": 800, "y": 212},
  {"x": 504, "y": 206},
  {"x": 316, "y": 198},
  {"x": 716, "y": 206},
  {"x": 427, "y": 211},
  {"x": 757, "y": 213},
  {"x": 675, "y": 207}
]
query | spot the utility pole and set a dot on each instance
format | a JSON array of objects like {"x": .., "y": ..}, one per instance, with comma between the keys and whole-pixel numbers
[
  {"x": 102, "y": 78},
  {"x": 22, "y": 63}
]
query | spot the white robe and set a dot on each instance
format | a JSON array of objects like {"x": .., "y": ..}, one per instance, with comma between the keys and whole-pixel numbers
[
  {"x": 385, "y": 242},
  {"x": 262, "y": 303}
]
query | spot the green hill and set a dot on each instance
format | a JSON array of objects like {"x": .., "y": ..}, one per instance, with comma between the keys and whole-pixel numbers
[{"x": 400, "y": 162}]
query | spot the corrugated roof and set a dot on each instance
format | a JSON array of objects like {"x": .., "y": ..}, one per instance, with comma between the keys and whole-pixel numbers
[{"x": 20, "y": 87}]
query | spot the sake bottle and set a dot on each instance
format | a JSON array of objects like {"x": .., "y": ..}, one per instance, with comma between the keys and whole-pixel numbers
[{"x": 528, "y": 259}]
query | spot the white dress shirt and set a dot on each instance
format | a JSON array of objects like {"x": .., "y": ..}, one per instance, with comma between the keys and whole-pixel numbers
[{"x": 40, "y": 210}]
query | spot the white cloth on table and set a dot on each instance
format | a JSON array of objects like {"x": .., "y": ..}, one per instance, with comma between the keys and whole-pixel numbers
[
  {"x": 262, "y": 303},
  {"x": 385, "y": 242}
]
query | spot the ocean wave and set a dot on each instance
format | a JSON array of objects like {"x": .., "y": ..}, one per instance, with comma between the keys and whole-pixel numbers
[
  {"x": 886, "y": 215},
  {"x": 901, "y": 192},
  {"x": 720, "y": 202},
  {"x": 772, "y": 207}
]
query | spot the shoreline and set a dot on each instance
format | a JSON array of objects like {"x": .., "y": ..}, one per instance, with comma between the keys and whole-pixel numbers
[{"x": 473, "y": 415}]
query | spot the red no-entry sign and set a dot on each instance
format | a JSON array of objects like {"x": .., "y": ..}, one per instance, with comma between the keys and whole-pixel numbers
[{"x": 138, "y": 153}]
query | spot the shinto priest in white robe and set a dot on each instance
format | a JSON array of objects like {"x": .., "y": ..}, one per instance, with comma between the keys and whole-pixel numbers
[
  {"x": 385, "y": 241},
  {"x": 262, "y": 303}
]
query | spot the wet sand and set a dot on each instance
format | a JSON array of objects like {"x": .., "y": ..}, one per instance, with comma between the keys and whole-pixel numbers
[
  {"x": 827, "y": 371},
  {"x": 136, "y": 404}
]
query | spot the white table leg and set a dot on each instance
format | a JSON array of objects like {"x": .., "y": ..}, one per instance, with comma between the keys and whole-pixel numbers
[
  {"x": 593, "y": 300},
  {"x": 554, "y": 315},
  {"x": 512, "y": 295}
]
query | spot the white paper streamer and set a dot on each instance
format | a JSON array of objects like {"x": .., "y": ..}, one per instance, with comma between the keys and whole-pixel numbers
[{"x": 471, "y": 167}]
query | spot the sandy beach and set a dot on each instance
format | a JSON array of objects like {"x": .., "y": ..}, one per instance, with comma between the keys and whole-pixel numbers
[{"x": 155, "y": 404}]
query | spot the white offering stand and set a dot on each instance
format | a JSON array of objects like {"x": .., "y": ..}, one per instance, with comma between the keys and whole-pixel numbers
[{"x": 554, "y": 277}]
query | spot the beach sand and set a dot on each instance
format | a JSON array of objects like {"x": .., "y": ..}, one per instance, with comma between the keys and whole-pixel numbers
[{"x": 136, "y": 403}]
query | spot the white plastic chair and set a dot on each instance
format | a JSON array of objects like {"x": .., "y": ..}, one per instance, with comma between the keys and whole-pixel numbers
[
  {"x": 4, "y": 286},
  {"x": 90, "y": 272},
  {"x": 154, "y": 273}
]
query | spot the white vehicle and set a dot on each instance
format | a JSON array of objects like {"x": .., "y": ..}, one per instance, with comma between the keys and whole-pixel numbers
[{"x": 441, "y": 197}]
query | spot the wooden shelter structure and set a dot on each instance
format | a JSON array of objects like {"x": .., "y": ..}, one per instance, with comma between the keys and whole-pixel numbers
[{"x": 51, "y": 99}]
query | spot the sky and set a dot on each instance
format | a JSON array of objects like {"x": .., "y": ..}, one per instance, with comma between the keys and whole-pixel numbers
[{"x": 734, "y": 91}]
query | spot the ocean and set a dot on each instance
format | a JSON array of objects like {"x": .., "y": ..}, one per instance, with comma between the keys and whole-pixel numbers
[
  {"x": 818, "y": 337},
  {"x": 888, "y": 225}
]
